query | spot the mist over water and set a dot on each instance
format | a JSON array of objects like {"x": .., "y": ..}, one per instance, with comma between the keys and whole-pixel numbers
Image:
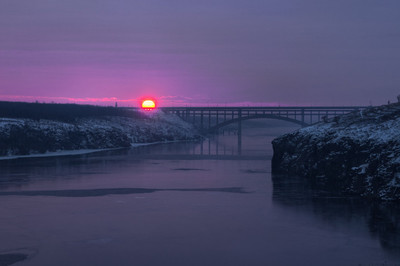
[{"x": 192, "y": 203}]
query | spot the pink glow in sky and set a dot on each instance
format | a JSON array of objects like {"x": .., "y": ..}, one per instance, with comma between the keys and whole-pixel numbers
[{"x": 200, "y": 52}]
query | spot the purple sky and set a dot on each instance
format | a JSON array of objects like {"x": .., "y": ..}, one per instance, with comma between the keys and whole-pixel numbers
[{"x": 292, "y": 52}]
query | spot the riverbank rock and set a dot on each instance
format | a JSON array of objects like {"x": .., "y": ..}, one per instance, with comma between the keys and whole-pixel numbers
[
  {"x": 22, "y": 136},
  {"x": 354, "y": 154}
]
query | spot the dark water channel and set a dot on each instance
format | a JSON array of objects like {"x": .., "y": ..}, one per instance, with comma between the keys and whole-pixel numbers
[{"x": 183, "y": 204}]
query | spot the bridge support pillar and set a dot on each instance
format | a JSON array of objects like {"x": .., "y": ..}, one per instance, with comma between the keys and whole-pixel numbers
[
  {"x": 201, "y": 121},
  {"x": 240, "y": 131}
]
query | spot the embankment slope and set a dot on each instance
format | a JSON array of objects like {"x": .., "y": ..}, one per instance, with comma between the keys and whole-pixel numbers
[
  {"x": 29, "y": 128},
  {"x": 354, "y": 154}
]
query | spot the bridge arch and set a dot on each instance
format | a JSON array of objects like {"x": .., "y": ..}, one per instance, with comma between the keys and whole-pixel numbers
[{"x": 243, "y": 118}]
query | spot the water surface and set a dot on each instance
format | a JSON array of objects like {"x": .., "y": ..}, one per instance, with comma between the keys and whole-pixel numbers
[{"x": 183, "y": 204}]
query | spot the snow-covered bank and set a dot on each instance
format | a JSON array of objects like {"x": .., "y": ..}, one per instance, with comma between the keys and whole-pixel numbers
[
  {"x": 21, "y": 137},
  {"x": 55, "y": 153},
  {"x": 354, "y": 154},
  {"x": 75, "y": 152}
]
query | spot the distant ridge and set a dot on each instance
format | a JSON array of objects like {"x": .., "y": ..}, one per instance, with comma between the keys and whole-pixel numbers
[{"x": 61, "y": 112}]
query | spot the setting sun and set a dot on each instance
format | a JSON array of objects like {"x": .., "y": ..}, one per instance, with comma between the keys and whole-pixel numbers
[{"x": 148, "y": 104}]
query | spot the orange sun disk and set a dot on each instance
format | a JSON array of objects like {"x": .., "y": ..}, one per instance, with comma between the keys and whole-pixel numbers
[{"x": 148, "y": 105}]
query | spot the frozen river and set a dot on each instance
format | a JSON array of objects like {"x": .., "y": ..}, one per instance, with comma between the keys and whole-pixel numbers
[{"x": 182, "y": 204}]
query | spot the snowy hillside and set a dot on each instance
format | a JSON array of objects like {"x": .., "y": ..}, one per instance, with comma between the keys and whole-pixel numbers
[
  {"x": 20, "y": 136},
  {"x": 354, "y": 154}
]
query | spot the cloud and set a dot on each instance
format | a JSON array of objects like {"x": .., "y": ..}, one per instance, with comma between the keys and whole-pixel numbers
[
  {"x": 168, "y": 100},
  {"x": 211, "y": 52},
  {"x": 46, "y": 99}
]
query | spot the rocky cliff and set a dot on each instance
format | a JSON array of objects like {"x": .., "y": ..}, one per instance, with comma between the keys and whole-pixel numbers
[{"x": 354, "y": 154}]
